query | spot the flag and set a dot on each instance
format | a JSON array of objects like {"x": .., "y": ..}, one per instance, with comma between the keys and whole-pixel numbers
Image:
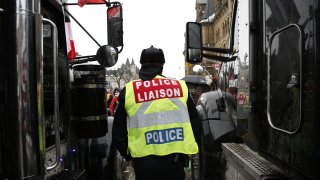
[
  {"x": 70, "y": 42},
  {"x": 84, "y": 2},
  {"x": 114, "y": 12}
]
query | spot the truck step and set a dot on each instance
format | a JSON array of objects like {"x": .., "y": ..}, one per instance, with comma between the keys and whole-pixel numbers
[
  {"x": 243, "y": 163},
  {"x": 72, "y": 175}
]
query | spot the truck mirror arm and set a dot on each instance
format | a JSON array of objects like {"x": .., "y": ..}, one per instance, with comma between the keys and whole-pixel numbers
[
  {"x": 74, "y": 4},
  {"x": 106, "y": 3},
  {"x": 119, "y": 51},
  {"x": 82, "y": 59},
  {"x": 218, "y": 50},
  {"x": 219, "y": 58},
  {"x": 82, "y": 28}
]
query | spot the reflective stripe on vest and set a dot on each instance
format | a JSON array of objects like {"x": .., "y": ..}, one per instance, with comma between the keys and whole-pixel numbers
[{"x": 158, "y": 120}]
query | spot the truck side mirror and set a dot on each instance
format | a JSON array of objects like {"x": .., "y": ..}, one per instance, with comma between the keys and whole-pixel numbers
[
  {"x": 193, "y": 43},
  {"x": 107, "y": 56},
  {"x": 115, "y": 25}
]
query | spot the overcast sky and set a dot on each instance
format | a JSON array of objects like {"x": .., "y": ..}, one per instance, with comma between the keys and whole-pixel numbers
[{"x": 160, "y": 23}]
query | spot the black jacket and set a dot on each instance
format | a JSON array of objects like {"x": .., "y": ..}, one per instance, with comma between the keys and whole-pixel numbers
[{"x": 120, "y": 133}]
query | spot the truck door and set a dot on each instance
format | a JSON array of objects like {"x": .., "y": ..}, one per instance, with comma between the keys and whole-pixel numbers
[
  {"x": 287, "y": 129},
  {"x": 284, "y": 76},
  {"x": 283, "y": 67}
]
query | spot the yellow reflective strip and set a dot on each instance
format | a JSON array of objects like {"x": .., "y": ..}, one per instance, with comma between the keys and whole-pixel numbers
[
  {"x": 161, "y": 105},
  {"x": 162, "y": 117}
]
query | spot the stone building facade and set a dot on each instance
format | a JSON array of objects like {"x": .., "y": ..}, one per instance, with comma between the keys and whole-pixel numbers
[{"x": 123, "y": 74}]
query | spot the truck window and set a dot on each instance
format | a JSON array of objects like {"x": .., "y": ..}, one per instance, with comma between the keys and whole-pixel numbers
[{"x": 284, "y": 78}]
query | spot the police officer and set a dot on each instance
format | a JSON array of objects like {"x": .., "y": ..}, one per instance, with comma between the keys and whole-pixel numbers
[{"x": 156, "y": 124}]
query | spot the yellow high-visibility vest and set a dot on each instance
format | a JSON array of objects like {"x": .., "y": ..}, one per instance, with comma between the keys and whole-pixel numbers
[{"x": 158, "y": 120}]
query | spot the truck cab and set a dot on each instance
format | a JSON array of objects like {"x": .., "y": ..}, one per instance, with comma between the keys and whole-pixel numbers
[
  {"x": 271, "y": 67},
  {"x": 50, "y": 128}
]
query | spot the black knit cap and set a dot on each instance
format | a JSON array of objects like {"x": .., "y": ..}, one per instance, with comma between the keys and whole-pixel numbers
[{"x": 152, "y": 55}]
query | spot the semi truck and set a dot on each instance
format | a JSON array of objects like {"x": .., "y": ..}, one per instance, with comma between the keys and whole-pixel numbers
[
  {"x": 271, "y": 68},
  {"x": 54, "y": 122}
]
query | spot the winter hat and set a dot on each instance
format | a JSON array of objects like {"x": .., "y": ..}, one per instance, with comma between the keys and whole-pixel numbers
[
  {"x": 152, "y": 55},
  {"x": 115, "y": 90}
]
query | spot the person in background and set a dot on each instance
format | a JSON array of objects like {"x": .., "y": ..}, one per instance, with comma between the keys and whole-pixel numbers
[
  {"x": 156, "y": 124},
  {"x": 214, "y": 83},
  {"x": 114, "y": 103},
  {"x": 109, "y": 98},
  {"x": 197, "y": 94}
]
